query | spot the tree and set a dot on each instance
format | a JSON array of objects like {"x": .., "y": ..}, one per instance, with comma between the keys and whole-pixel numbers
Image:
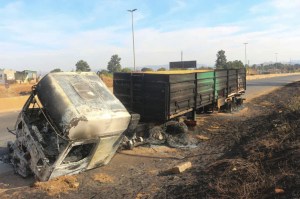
[
  {"x": 221, "y": 60},
  {"x": 237, "y": 64},
  {"x": 126, "y": 70},
  {"x": 161, "y": 69},
  {"x": 114, "y": 64},
  {"x": 146, "y": 69},
  {"x": 103, "y": 72},
  {"x": 82, "y": 66},
  {"x": 204, "y": 68},
  {"x": 56, "y": 70}
]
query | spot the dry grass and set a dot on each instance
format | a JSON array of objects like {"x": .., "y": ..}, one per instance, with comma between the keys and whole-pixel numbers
[
  {"x": 108, "y": 80},
  {"x": 14, "y": 90},
  {"x": 58, "y": 185},
  {"x": 103, "y": 178},
  {"x": 266, "y": 158}
]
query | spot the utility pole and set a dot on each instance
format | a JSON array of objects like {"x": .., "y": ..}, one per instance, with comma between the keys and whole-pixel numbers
[
  {"x": 132, "y": 36},
  {"x": 276, "y": 60},
  {"x": 181, "y": 56},
  {"x": 245, "y": 54},
  {"x": 181, "y": 59}
]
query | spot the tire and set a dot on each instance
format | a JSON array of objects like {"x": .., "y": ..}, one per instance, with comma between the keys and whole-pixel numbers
[
  {"x": 240, "y": 101},
  {"x": 174, "y": 127}
]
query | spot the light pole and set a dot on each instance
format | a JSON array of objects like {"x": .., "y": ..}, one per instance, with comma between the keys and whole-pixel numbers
[
  {"x": 276, "y": 62},
  {"x": 245, "y": 53},
  {"x": 181, "y": 59},
  {"x": 133, "y": 37}
]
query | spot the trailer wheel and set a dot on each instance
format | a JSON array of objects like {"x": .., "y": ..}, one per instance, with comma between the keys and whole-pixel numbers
[{"x": 239, "y": 101}]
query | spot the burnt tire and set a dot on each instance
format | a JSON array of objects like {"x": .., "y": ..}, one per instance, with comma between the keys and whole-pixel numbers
[
  {"x": 174, "y": 127},
  {"x": 239, "y": 101}
]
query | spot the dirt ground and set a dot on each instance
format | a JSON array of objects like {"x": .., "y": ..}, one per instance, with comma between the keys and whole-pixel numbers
[
  {"x": 14, "y": 97},
  {"x": 251, "y": 153},
  {"x": 15, "y": 90}
]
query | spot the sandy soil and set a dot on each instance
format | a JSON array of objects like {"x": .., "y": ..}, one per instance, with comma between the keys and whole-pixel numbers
[
  {"x": 12, "y": 103},
  {"x": 15, "y": 90},
  {"x": 251, "y": 153}
]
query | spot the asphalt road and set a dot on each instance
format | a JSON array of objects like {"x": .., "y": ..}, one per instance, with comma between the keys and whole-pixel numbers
[
  {"x": 259, "y": 87},
  {"x": 7, "y": 120}
]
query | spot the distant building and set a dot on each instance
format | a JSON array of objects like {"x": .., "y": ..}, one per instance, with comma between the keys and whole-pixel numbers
[
  {"x": 26, "y": 76},
  {"x": 7, "y": 76}
]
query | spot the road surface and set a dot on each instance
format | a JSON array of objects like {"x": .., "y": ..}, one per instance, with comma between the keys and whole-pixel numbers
[
  {"x": 255, "y": 88},
  {"x": 259, "y": 87}
]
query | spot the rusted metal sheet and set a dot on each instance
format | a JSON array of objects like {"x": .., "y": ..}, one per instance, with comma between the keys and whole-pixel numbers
[{"x": 70, "y": 123}]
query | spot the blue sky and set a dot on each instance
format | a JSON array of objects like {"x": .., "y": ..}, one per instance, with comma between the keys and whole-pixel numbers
[{"x": 47, "y": 34}]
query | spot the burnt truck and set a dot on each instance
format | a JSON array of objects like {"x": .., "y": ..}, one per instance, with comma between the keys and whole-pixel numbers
[{"x": 70, "y": 123}]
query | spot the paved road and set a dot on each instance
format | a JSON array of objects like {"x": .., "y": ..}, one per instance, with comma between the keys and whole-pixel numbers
[
  {"x": 7, "y": 120},
  {"x": 259, "y": 87},
  {"x": 254, "y": 89}
]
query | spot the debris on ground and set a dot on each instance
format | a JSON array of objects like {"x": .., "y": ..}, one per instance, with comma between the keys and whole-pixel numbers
[
  {"x": 179, "y": 168},
  {"x": 70, "y": 123},
  {"x": 103, "y": 178},
  {"x": 59, "y": 185},
  {"x": 202, "y": 137}
]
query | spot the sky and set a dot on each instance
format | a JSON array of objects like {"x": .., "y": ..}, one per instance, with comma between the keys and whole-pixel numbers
[{"x": 46, "y": 34}]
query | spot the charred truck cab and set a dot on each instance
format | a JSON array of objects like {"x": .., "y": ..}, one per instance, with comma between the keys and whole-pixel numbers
[{"x": 70, "y": 123}]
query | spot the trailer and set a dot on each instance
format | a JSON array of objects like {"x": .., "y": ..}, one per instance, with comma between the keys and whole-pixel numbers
[
  {"x": 230, "y": 85},
  {"x": 166, "y": 95},
  {"x": 157, "y": 97}
]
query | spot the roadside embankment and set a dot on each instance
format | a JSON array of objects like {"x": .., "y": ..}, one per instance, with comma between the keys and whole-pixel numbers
[{"x": 12, "y": 103}]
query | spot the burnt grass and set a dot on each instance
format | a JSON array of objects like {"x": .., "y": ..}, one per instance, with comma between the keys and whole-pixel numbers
[
  {"x": 261, "y": 153},
  {"x": 252, "y": 153}
]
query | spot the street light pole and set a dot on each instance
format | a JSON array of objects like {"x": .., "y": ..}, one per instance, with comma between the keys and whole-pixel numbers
[
  {"x": 276, "y": 65},
  {"x": 132, "y": 37},
  {"x": 245, "y": 53}
]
